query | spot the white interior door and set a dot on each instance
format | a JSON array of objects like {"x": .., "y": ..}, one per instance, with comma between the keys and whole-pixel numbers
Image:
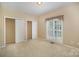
[
  {"x": 34, "y": 30},
  {"x": 20, "y": 30}
]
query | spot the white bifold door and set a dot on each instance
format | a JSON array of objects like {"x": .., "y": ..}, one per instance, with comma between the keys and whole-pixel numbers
[
  {"x": 20, "y": 30},
  {"x": 25, "y": 30}
]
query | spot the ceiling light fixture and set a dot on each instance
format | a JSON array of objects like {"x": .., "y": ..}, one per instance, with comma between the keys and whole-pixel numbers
[{"x": 39, "y": 4}]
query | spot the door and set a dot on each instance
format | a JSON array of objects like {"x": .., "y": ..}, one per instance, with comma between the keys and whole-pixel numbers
[
  {"x": 54, "y": 29},
  {"x": 20, "y": 30},
  {"x": 29, "y": 29},
  {"x": 10, "y": 30},
  {"x": 34, "y": 29}
]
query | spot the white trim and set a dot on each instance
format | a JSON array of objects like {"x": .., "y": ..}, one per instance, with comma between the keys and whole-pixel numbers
[
  {"x": 51, "y": 38},
  {"x": 46, "y": 30},
  {"x": 26, "y": 26},
  {"x": 4, "y": 18},
  {"x": 4, "y": 33},
  {"x": 71, "y": 46},
  {"x": 4, "y": 28},
  {"x": 36, "y": 29}
]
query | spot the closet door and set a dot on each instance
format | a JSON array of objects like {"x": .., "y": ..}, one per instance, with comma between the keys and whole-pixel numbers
[
  {"x": 29, "y": 29},
  {"x": 10, "y": 30},
  {"x": 20, "y": 30}
]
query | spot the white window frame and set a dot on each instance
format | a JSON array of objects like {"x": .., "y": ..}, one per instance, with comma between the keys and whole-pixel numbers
[{"x": 53, "y": 38}]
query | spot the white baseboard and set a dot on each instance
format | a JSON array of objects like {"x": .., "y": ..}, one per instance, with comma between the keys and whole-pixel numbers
[
  {"x": 70, "y": 46},
  {"x": 20, "y": 41},
  {"x": 2, "y": 45}
]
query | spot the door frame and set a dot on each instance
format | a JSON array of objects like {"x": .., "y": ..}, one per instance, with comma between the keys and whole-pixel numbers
[
  {"x": 48, "y": 38},
  {"x": 4, "y": 21},
  {"x": 4, "y": 27},
  {"x": 32, "y": 28}
]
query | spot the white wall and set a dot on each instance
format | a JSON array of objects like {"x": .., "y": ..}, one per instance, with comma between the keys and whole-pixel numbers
[
  {"x": 34, "y": 30},
  {"x": 47, "y": 36},
  {"x": 20, "y": 30}
]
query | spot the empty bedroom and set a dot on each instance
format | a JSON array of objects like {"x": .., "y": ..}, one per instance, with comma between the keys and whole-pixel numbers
[{"x": 39, "y": 29}]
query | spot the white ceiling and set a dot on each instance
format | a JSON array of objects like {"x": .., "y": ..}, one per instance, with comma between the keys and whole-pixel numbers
[{"x": 31, "y": 7}]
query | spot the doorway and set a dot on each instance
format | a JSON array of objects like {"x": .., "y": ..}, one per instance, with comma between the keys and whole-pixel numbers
[
  {"x": 54, "y": 30},
  {"x": 14, "y": 30},
  {"x": 29, "y": 29},
  {"x": 10, "y": 30},
  {"x": 20, "y": 30}
]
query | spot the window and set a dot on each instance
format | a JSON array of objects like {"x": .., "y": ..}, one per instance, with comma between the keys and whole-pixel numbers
[{"x": 55, "y": 29}]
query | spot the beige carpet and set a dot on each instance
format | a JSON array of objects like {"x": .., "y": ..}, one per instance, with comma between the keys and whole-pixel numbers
[{"x": 38, "y": 48}]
